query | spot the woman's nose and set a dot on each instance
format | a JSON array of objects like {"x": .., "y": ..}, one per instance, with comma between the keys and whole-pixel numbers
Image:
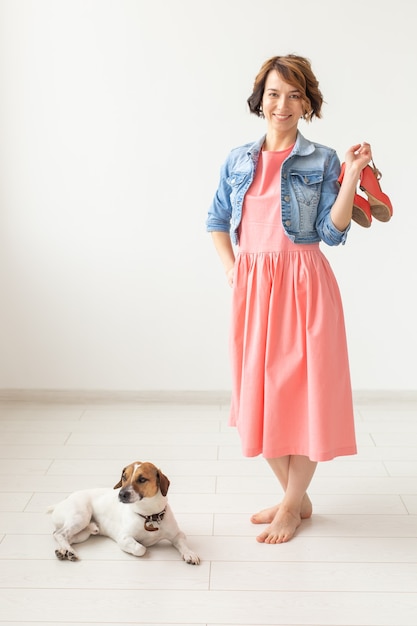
[{"x": 280, "y": 103}]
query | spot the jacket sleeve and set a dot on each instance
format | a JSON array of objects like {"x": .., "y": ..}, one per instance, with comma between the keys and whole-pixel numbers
[
  {"x": 329, "y": 191},
  {"x": 220, "y": 211}
]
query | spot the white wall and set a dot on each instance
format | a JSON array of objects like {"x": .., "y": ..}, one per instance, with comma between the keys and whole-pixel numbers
[{"x": 115, "y": 116}]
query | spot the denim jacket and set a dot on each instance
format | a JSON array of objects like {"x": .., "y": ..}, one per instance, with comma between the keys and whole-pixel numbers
[{"x": 309, "y": 189}]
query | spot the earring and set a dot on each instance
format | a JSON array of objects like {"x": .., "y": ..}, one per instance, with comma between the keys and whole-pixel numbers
[{"x": 261, "y": 113}]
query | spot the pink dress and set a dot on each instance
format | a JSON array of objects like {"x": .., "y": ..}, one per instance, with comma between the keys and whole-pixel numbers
[{"x": 290, "y": 370}]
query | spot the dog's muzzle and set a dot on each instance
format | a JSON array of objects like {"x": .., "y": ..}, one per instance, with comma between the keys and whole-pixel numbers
[{"x": 125, "y": 495}]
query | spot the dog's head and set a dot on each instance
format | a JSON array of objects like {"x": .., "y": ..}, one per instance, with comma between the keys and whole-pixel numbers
[{"x": 141, "y": 480}]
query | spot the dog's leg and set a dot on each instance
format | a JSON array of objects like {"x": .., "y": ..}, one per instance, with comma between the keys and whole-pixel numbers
[
  {"x": 64, "y": 550},
  {"x": 78, "y": 529},
  {"x": 130, "y": 545},
  {"x": 180, "y": 542},
  {"x": 91, "y": 529}
]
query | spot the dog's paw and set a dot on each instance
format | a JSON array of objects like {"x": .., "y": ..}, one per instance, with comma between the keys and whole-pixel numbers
[
  {"x": 66, "y": 555},
  {"x": 61, "y": 554},
  {"x": 130, "y": 545},
  {"x": 191, "y": 557},
  {"x": 138, "y": 549}
]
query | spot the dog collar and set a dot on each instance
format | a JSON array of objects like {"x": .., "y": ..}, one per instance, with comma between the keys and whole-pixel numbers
[{"x": 151, "y": 519}]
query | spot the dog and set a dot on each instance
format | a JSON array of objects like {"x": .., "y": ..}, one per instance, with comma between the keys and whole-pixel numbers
[{"x": 136, "y": 517}]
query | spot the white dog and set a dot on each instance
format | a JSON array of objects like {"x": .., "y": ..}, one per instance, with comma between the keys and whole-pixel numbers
[{"x": 136, "y": 517}]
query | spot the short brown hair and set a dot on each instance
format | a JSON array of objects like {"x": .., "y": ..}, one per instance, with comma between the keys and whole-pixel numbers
[{"x": 296, "y": 71}]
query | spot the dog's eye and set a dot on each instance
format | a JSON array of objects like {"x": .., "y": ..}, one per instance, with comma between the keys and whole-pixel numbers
[{"x": 142, "y": 479}]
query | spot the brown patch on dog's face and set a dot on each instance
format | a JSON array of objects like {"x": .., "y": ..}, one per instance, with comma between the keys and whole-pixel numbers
[{"x": 144, "y": 479}]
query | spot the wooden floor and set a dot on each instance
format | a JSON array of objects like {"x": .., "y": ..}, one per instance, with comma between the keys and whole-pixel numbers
[{"x": 353, "y": 564}]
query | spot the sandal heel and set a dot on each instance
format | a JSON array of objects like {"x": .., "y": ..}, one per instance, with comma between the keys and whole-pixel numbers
[{"x": 361, "y": 213}]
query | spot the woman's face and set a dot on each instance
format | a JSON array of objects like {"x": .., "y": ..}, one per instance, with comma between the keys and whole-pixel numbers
[{"x": 282, "y": 104}]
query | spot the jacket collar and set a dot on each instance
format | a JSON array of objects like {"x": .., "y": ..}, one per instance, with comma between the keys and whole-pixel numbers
[{"x": 302, "y": 146}]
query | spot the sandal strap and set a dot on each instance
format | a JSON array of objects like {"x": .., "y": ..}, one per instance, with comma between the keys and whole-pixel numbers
[{"x": 376, "y": 171}]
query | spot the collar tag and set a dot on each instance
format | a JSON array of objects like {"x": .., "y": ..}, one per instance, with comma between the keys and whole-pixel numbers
[{"x": 151, "y": 520}]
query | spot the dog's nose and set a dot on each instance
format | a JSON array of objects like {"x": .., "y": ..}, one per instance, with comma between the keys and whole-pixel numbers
[{"x": 124, "y": 496}]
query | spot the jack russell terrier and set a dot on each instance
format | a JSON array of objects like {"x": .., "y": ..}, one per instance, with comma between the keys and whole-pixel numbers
[{"x": 136, "y": 517}]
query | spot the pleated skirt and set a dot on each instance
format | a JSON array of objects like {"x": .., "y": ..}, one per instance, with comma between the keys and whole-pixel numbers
[{"x": 291, "y": 380}]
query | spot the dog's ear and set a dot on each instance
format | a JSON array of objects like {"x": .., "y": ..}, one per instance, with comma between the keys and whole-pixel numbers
[
  {"x": 163, "y": 483},
  {"x": 119, "y": 484}
]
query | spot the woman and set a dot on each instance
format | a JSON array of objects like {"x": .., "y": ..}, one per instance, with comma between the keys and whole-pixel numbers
[{"x": 277, "y": 199}]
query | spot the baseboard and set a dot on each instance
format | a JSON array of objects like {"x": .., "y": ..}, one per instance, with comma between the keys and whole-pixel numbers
[
  {"x": 198, "y": 397},
  {"x": 385, "y": 396},
  {"x": 90, "y": 396}
]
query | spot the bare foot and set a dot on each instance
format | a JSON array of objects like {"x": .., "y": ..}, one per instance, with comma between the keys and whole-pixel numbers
[
  {"x": 266, "y": 516},
  {"x": 282, "y": 527}
]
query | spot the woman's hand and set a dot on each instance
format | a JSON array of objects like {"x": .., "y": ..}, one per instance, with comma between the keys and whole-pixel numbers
[
  {"x": 230, "y": 275},
  {"x": 224, "y": 247},
  {"x": 358, "y": 157}
]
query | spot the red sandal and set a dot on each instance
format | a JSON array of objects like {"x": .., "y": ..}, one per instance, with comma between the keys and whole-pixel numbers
[
  {"x": 361, "y": 212},
  {"x": 381, "y": 207}
]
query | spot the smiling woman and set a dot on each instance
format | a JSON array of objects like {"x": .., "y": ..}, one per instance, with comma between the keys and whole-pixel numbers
[
  {"x": 297, "y": 74},
  {"x": 282, "y": 107},
  {"x": 277, "y": 199}
]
